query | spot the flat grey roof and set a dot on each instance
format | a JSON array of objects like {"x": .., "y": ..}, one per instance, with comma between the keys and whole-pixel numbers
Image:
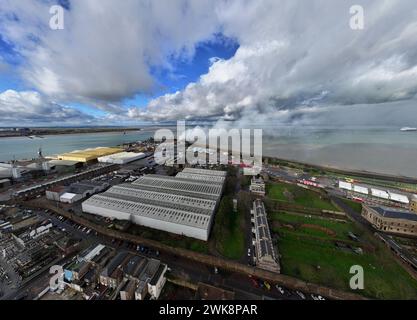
[
  {"x": 172, "y": 183},
  {"x": 160, "y": 203},
  {"x": 178, "y": 201},
  {"x": 200, "y": 177},
  {"x": 114, "y": 263},
  {"x": 395, "y": 214},
  {"x": 177, "y": 216},
  {"x": 205, "y": 172},
  {"x": 162, "y": 196}
]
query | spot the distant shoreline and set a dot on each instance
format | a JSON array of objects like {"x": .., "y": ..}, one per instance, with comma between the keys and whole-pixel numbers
[
  {"x": 349, "y": 172},
  {"x": 47, "y": 132},
  {"x": 337, "y": 170}
]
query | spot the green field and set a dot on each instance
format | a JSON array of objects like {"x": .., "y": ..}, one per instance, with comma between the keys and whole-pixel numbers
[
  {"x": 313, "y": 259},
  {"x": 303, "y": 197},
  {"x": 228, "y": 237},
  {"x": 356, "y": 206},
  {"x": 337, "y": 230}
]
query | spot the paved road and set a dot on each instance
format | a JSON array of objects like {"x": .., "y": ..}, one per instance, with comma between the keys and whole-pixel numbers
[
  {"x": 240, "y": 284},
  {"x": 402, "y": 252},
  {"x": 5, "y": 287},
  {"x": 187, "y": 269},
  {"x": 352, "y": 213}
]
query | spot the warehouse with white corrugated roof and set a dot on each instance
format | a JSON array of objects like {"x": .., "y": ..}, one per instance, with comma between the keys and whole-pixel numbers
[{"x": 183, "y": 205}]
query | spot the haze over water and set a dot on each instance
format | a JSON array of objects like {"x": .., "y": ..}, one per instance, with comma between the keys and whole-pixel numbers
[
  {"x": 383, "y": 150},
  {"x": 26, "y": 148}
]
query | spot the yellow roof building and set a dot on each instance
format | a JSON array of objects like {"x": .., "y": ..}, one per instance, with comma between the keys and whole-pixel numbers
[{"x": 89, "y": 154}]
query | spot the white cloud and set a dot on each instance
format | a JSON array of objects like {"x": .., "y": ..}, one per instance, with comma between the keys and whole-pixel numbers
[
  {"x": 299, "y": 57},
  {"x": 297, "y": 60},
  {"x": 107, "y": 47},
  {"x": 29, "y": 107}
]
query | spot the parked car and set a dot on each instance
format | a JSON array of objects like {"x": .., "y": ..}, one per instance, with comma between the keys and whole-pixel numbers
[
  {"x": 254, "y": 282},
  {"x": 301, "y": 295},
  {"x": 280, "y": 289}
]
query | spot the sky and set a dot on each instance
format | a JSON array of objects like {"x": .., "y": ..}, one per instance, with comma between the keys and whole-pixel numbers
[{"x": 229, "y": 62}]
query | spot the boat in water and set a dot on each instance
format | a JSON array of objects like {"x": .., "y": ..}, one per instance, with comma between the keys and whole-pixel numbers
[{"x": 408, "y": 129}]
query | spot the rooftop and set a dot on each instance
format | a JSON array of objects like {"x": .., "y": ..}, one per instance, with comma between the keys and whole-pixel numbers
[
  {"x": 157, "y": 275},
  {"x": 63, "y": 162},
  {"x": 395, "y": 213},
  {"x": 89, "y": 154}
]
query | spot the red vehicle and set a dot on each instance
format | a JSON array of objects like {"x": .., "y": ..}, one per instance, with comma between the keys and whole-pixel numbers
[
  {"x": 254, "y": 282},
  {"x": 357, "y": 199}
]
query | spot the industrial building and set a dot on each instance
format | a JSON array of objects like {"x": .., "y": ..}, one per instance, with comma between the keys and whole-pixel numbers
[
  {"x": 18, "y": 171},
  {"x": 122, "y": 157},
  {"x": 55, "y": 193},
  {"x": 202, "y": 175},
  {"x": 88, "y": 155},
  {"x": 87, "y": 188},
  {"x": 64, "y": 166},
  {"x": 70, "y": 198},
  {"x": 76, "y": 191},
  {"x": 33, "y": 191},
  {"x": 391, "y": 220},
  {"x": 265, "y": 255},
  {"x": 183, "y": 205}
]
